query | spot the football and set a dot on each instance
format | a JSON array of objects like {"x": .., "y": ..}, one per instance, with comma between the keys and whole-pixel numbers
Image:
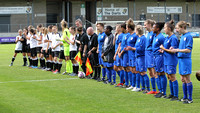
[
  {"x": 198, "y": 75},
  {"x": 81, "y": 74}
]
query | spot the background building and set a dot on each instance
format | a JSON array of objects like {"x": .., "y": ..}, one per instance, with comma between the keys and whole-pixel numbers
[{"x": 15, "y": 14}]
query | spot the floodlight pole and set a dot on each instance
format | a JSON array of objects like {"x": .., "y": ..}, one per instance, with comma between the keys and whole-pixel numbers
[
  {"x": 158, "y": 13},
  {"x": 134, "y": 10},
  {"x": 165, "y": 11},
  {"x": 32, "y": 14},
  {"x": 194, "y": 13}
]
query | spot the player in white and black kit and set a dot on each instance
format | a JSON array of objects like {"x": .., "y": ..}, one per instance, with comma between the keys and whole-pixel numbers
[
  {"x": 50, "y": 61},
  {"x": 24, "y": 45},
  {"x": 33, "y": 45},
  {"x": 55, "y": 45},
  {"x": 45, "y": 48},
  {"x": 28, "y": 45},
  {"x": 18, "y": 48},
  {"x": 39, "y": 45},
  {"x": 73, "y": 51}
]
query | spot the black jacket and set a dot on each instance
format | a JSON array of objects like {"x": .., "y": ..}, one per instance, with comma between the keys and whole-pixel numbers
[{"x": 109, "y": 51}]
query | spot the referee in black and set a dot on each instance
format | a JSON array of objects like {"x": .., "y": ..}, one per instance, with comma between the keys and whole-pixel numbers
[
  {"x": 82, "y": 42},
  {"x": 92, "y": 53}
]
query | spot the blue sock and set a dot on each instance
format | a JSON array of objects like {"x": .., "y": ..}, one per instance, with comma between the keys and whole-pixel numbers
[
  {"x": 153, "y": 83},
  {"x": 133, "y": 79},
  {"x": 109, "y": 74},
  {"x": 142, "y": 82},
  {"x": 138, "y": 80},
  {"x": 114, "y": 75},
  {"x": 185, "y": 91},
  {"x": 103, "y": 73},
  {"x": 175, "y": 88},
  {"x": 158, "y": 83},
  {"x": 130, "y": 77},
  {"x": 171, "y": 86},
  {"x": 118, "y": 72},
  {"x": 189, "y": 90},
  {"x": 146, "y": 79},
  {"x": 164, "y": 83},
  {"x": 126, "y": 78},
  {"x": 122, "y": 76}
]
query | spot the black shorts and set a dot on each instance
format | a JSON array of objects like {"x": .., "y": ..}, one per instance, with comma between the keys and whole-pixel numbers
[
  {"x": 18, "y": 51},
  {"x": 94, "y": 60},
  {"x": 55, "y": 53},
  {"x": 50, "y": 51},
  {"x": 28, "y": 49},
  {"x": 24, "y": 48},
  {"x": 62, "y": 56},
  {"x": 33, "y": 52},
  {"x": 72, "y": 54},
  {"x": 39, "y": 49},
  {"x": 46, "y": 55}
]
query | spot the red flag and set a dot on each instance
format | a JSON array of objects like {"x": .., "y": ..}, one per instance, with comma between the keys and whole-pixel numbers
[{"x": 88, "y": 67}]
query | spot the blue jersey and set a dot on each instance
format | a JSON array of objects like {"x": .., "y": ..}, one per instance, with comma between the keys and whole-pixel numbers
[
  {"x": 157, "y": 41},
  {"x": 186, "y": 42},
  {"x": 149, "y": 41},
  {"x": 124, "y": 41},
  {"x": 131, "y": 42},
  {"x": 140, "y": 46},
  {"x": 171, "y": 58},
  {"x": 118, "y": 40},
  {"x": 101, "y": 38}
]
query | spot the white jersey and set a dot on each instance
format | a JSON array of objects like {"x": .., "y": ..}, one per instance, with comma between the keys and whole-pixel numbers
[
  {"x": 39, "y": 43},
  {"x": 45, "y": 44},
  {"x": 18, "y": 44},
  {"x": 50, "y": 37},
  {"x": 55, "y": 41},
  {"x": 71, "y": 46},
  {"x": 33, "y": 42},
  {"x": 28, "y": 41}
]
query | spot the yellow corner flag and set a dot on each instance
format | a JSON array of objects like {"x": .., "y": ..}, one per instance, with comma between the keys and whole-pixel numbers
[
  {"x": 89, "y": 67},
  {"x": 78, "y": 58}
]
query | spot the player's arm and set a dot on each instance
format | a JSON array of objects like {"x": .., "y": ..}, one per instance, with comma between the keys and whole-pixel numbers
[
  {"x": 17, "y": 39},
  {"x": 27, "y": 37},
  {"x": 72, "y": 41},
  {"x": 118, "y": 50},
  {"x": 47, "y": 47}
]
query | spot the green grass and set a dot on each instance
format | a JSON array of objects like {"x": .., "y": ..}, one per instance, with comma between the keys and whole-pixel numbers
[{"x": 79, "y": 95}]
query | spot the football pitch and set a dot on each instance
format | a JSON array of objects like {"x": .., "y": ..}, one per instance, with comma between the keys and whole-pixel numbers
[{"x": 24, "y": 90}]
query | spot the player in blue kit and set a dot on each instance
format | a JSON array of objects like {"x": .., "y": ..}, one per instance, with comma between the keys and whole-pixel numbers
[
  {"x": 149, "y": 58},
  {"x": 140, "y": 59},
  {"x": 131, "y": 54},
  {"x": 185, "y": 61},
  {"x": 161, "y": 79},
  {"x": 171, "y": 59},
  {"x": 124, "y": 55},
  {"x": 101, "y": 38},
  {"x": 117, "y": 61}
]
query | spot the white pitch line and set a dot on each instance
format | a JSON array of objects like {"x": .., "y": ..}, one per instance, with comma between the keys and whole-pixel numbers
[{"x": 37, "y": 80}]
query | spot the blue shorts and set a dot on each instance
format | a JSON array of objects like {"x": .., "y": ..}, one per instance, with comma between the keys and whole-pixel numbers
[
  {"x": 125, "y": 60},
  {"x": 109, "y": 64},
  {"x": 170, "y": 69},
  {"x": 118, "y": 61},
  {"x": 159, "y": 63},
  {"x": 132, "y": 62},
  {"x": 101, "y": 62},
  {"x": 149, "y": 59},
  {"x": 185, "y": 66},
  {"x": 140, "y": 64}
]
